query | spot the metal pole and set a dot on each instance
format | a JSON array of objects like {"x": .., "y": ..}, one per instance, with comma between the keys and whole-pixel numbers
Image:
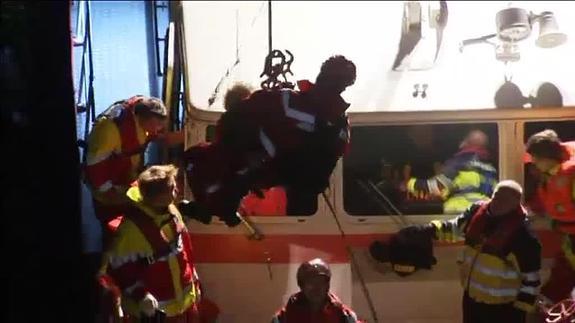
[
  {"x": 270, "y": 26},
  {"x": 354, "y": 263},
  {"x": 91, "y": 101}
]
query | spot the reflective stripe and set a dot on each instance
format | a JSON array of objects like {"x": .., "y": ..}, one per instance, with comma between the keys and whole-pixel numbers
[
  {"x": 532, "y": 276},
  {"x": 506, "y": 274},
  {"x": 130, "y": 289},
  {"x": 433, "y": 187},
  {"x": 212, "y": 188},
  {"x": 497, "y": 292},
  {"x": 94, "y": 160},
  {"x": 444, "y": 180},
  {"x": 267, "y": 143},
  {"x": 185, "y": 292},
  {"x": 528, "y": 290},
  {"x": 116, "y": 262},
  {"x": 242, "y": 171},
  {"x": 106, "y": 186},
  {"x": 305, "y": 126},
  {"x": 296, "y": 114},
  {"x": 350, "y": 317},
  {"x": 175, "y": 251}
]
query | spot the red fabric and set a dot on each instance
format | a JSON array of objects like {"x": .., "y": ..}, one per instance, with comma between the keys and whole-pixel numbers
[
  {"x": 561, "y": 282},
  {"x": 273, "y": 203},
  {"x": 118, "y": 168},
  {"x": 509, "y": 224},
  {"x": 157, "y": 277},
  {"x": 557, "y": 196},
  {"x": 215, "y": 166},
  {"x": 297, "y": 311}
]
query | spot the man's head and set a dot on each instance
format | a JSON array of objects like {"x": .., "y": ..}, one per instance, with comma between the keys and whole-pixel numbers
[
  {"x": 151, "y": 113},
  {"x": 506, "y": 197},
  {"x": 236, "y": 93},
  {"x": 313, "y": 279},
  {"x": 336, "y": 74},
  {"x": 158, "y": 185},
  {"x": 475, "y": 138},
  {"x": 545, "y": 149}
]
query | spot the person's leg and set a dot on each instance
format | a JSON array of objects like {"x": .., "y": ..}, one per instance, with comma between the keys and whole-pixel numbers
[
  {"x": 561, "y": 282},
  {"x": 471, "y": 313}
]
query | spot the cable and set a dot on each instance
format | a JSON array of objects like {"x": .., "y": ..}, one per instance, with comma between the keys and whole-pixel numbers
[{"x": 353, "y": 260}]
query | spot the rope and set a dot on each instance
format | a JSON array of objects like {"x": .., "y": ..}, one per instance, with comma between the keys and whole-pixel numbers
[{"x": 353, "y": 260}]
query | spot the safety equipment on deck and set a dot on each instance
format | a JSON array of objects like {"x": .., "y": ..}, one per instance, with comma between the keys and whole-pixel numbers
[{"x": 407, "y": 250}]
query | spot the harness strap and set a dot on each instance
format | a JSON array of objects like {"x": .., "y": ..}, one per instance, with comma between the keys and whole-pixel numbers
[{"x": 160, "y": 245}]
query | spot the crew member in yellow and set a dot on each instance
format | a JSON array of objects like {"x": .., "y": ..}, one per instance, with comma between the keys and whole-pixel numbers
[
  {"x": 150, "y": 258},
  {"x": 501, "y": 259},
  {"x": 466, "y": 178}
]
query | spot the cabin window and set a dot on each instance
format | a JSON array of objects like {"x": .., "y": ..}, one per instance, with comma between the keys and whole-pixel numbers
[
  {"x": 277, "y": 201},
  {"x": 566, "y": 132},
  {"x": 383, "y": 158}
]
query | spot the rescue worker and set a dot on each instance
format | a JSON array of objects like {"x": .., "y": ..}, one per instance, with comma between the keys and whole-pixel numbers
[
  {"x": 501, "y": 260},
  {"x": 264, "y": 202},
  {"x": 314, "y": 302},
  {"x": 115, "y": 152},
  {"x": 275, "y": 138},
  {"x": 150, "y": 258},
  {"x": 466, "y": 178},
  {"x": 556, "y": 195}
]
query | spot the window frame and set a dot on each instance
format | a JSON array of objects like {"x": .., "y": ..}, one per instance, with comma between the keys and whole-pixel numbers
[{"x": 510, "y": 131}]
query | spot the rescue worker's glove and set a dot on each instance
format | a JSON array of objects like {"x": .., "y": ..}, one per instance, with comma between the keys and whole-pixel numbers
[
  {"x": 148, "y": 305},
  {"x": 194, "y": 210}
]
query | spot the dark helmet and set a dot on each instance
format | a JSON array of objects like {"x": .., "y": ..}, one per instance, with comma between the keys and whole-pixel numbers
[
  {"x": 337, "y": 72},
  {"x": 315, "y": 267}
]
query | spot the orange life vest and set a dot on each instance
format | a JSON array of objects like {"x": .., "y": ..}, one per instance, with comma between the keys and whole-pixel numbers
[{"x": 557, "y": 194}]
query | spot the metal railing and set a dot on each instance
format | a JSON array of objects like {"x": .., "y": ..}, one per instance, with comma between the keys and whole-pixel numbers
[{"x": 84, "y": 88}]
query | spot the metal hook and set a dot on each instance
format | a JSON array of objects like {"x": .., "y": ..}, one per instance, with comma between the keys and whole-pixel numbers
[{"x": 416, "y": 92}]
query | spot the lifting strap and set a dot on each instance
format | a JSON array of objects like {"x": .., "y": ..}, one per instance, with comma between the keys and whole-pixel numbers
[{"x": 160, "y": 245}]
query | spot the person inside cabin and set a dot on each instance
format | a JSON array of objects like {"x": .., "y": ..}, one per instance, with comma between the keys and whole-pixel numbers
[
  {"x": 314, "y": 302},
  {"x": 555, "y": 160},
  {"x": 277, "y": 137},
  {"x": 501, "y": 260},
  {"x": 466, "y": 178},
  {"x": 150, "y": 259}
]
